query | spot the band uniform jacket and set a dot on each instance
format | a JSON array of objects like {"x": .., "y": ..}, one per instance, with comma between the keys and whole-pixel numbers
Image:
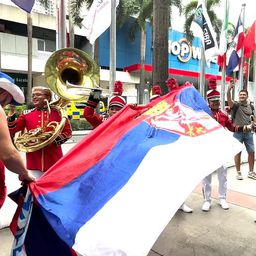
[
  {"x": 223, "y": 119},
  {"x": 91, "y": 116},
  {"x": 44, "y": 158}
]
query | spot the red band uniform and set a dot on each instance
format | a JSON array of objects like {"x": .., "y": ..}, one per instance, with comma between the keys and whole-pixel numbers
[
  {"x": 213, "y": 97},
  {"x": 116, "y": 102},
  {"x": 44, "y": 158}
]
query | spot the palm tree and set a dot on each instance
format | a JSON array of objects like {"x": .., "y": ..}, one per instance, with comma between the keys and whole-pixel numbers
[
  {"x": 141, "y": 8},
  {"x": 189, "y": 11},
  {"x": 161, "y": 24},
  {"x": 139, "y": 23}
]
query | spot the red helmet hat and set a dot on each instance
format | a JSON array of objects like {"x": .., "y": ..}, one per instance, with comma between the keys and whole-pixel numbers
[
  {"x": 171, "y": 83},
  {"x": 116, "y": 99},
  {"x": 156, "y": 92},
  {"x": 212, "y": 83},
  {"x": 213, "y": 95}
]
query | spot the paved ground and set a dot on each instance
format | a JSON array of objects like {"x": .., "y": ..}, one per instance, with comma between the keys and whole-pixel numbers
[{"x": 215, "y": 233}]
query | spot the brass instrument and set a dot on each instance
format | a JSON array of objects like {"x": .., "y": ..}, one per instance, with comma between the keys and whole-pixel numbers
[{"x": 72, "y": 75}]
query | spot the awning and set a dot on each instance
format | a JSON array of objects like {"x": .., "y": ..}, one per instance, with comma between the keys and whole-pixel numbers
[{"x": 173, "y": 71}]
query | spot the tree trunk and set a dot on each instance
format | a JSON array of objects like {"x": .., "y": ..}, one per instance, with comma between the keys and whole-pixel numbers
[
  {"x": 142, "y": 64},
  {"x": 29, "y": 31},
  {"x": 161, "y": 17}
]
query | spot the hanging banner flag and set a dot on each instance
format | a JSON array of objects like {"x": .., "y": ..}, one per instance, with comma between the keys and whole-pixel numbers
[
  {"x": 26, "y": 5},
  {"x": 202, "y": 28},
  {"x": 113, "y": 193},
  {"x": 250, "y": 41},
  {"x": 223, "y": 38},
  {"x": 235, "y": 51},
  {"x": 98, "y": 19}
]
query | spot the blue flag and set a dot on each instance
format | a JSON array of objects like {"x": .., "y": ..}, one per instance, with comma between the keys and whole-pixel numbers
[
  {"x": 25, "y": 5},
  {"x": 235, "y": 50}
]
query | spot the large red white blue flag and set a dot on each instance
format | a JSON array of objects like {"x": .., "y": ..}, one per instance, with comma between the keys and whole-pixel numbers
[
  {"x": 26, "y": 5},
  {"x": 235, "y": 50},
  {"x": 117, "y": 189}
]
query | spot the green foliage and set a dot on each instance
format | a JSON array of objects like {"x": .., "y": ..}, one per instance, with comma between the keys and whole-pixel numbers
[
  {"x": 189, "y": 11},
  {"x": 45, "y": 3},
  {"x": 19, "y": 109}
]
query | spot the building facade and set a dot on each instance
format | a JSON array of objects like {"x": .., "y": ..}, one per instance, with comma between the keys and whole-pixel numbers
[{"x": 184, "y": 58}]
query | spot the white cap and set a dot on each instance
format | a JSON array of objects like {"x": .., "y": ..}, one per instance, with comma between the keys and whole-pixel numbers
[{"x": 7, "y": 83}]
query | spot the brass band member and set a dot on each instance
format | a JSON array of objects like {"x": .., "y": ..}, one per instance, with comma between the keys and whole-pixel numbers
[{"x": 41, "y": 160}]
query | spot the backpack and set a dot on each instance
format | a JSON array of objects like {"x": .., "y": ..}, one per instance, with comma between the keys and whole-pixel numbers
[{"x": 234, "y": 110}]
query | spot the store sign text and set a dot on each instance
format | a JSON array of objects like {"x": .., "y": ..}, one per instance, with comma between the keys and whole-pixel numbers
[{"x": 184, "y": 51}]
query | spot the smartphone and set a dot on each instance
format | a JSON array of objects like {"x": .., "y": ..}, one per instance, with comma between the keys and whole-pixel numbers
[{"x": 97, "y": 93}]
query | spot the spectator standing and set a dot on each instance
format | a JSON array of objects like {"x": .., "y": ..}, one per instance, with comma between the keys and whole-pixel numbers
[{"x": 243, "y": 113}]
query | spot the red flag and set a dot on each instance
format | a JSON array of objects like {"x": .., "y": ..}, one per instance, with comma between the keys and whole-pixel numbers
[{"x": 250, "y": 41}]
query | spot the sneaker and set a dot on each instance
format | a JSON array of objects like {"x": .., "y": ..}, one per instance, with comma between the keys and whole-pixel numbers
[
  {"x": 252, "y": 175},
  {"x": 223, "y": 204},
  {"x": 185, "y": 208},
  {"x": 239, "y": 176},
  {"x": 206, "y": 206}
]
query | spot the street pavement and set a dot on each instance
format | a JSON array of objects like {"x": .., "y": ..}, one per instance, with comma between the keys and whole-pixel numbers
[{"x": 215, "y": 233}]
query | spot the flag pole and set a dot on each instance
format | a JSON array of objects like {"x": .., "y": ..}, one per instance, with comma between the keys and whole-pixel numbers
[
  {"x": 202, "y": 73},
  {"x": 112, "y": 64},
  {"x": 62, "y": 40},
  {"x": 241, "y": 78},
  {"x": 224, "y": 64},
  {"x": 223, "y": 86}
]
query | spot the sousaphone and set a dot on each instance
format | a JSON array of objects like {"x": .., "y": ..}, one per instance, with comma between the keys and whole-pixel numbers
[{"x": 72, "y": 75}]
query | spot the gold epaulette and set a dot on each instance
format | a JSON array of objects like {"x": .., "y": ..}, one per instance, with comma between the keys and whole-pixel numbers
[{"x": 26, "y": 111}]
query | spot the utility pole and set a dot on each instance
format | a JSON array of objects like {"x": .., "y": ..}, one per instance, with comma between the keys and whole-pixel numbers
[{"x": 112, "y": 64}]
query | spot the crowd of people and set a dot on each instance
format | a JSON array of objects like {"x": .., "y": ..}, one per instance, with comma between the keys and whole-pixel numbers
[{"x": 42, "y": 113}]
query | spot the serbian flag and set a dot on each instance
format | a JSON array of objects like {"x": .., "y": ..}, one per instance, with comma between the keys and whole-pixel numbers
[
  {"x": 250, "y": 41},
  {"x": 98, "y": 19},
  {"x": 26, "y": 5},
  {"x": 117, "y": 189},
  {"x": 223, "y": 38},
  {"x": 235, "y": 50}
]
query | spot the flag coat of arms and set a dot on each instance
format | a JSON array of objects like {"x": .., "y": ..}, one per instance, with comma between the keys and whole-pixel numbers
[
  {"x": 202, "y": 28},
  {"x": 117, "y": 189}
]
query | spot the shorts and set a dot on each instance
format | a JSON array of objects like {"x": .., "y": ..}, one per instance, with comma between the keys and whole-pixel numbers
[{"x": 247, "y": 139}]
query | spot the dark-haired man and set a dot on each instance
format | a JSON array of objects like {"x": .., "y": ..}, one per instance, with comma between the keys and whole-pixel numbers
[{"x": 243, "y": 113}]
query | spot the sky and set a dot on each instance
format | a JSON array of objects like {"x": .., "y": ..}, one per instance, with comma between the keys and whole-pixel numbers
[{"x": 234, "y": 11}]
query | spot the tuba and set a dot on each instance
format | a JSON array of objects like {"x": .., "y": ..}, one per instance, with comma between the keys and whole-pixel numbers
[{"x": 72, "y": 75}]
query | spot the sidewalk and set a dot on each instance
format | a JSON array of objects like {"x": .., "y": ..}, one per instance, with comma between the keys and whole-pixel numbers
[{"x": 215, "y": 233}]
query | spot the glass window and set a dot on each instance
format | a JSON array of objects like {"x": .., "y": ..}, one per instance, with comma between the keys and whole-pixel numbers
[{"x": 41, "y": 45}]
